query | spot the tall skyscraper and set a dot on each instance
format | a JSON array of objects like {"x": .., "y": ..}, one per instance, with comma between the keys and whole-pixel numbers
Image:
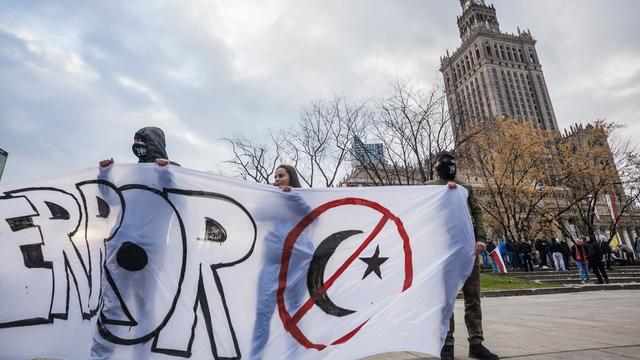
[
  {"x": 367, "y": 154},
  {"x": 494, "y": 74},
  {"x": 3, "y": 160}
]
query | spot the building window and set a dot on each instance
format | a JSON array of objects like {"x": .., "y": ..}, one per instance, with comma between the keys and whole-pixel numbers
[{"x": 532, "y": 57}]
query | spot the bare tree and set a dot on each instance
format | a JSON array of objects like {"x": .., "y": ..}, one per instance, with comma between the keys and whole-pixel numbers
[
  {"x": 255, "y": 162},
  {"x": 412, "y": 126},
  {"x": 320, "y": 144}
]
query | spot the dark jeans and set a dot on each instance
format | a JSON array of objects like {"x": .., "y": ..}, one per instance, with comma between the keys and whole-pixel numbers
[
  {"x": 528, "y": 263},
  {"x": 514, "y": 261},
  {"x": 631, "y": 260},
  {"x": 598, "y": 269},
  {"x": 607, "y": 256},
  {"x": 543, "y": 258}
]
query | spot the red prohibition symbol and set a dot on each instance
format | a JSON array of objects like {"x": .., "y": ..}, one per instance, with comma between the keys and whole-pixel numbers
[{"x": 290, "y": 321}]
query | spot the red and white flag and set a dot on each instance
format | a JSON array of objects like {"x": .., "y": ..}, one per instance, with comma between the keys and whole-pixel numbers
[{"x": 497, "y": 258}]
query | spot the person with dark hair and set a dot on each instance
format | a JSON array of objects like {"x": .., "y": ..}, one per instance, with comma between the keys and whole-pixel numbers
[
  {"x": 445, "y": 167},
  {"x": 594, "y": 255},
  {"x": 286, "y": 178},
  {"x": 580, "y": 257}
]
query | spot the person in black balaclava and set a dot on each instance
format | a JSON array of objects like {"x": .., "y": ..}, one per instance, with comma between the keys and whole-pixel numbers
[
  {"x": 148, "y": 146},
  {"x": 136, "y": 286},
  {"x": 446, "y": 169}
]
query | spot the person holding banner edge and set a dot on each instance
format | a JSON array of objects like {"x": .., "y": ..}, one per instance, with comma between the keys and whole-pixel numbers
[
  {"x": 285, "y": 178},
  {"x": 148, "y": 146},
  {"x": 445, "y": 168}
]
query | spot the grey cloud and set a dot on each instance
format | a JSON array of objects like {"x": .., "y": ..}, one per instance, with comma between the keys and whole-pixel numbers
[{"x": 79, "y": 78}]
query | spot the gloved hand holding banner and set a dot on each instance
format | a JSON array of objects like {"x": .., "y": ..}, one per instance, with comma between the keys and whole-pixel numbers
[{"x": 149, "y": 262}]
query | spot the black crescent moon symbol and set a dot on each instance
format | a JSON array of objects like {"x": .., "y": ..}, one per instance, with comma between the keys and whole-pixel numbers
[{"x": 315, "y": 276}]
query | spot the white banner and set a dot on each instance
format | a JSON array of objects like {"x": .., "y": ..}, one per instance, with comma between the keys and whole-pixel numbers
[{"x": 144, "y": 262}]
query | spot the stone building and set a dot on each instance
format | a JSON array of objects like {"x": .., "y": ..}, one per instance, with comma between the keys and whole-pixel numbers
[
  {"x": 494, "y": 73},
  {"x": 612, "y": 200}
]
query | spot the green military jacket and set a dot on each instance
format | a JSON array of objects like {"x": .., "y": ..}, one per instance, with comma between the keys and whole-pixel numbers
[{"x": 474, "y": 208}]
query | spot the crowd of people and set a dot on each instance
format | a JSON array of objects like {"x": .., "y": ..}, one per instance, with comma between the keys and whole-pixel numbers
[{"x": 585, "y": 254}]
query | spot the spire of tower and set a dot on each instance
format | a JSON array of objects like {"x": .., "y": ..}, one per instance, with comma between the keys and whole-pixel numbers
[{"x": 477, "y": 15}]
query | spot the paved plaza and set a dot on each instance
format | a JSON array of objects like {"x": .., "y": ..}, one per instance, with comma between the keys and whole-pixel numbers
[{"x": 590, "y": 325}]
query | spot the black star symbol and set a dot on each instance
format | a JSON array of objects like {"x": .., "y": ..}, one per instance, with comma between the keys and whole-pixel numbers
[{"x": 373, "y": 263}]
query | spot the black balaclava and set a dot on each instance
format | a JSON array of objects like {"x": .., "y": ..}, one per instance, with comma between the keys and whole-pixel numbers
[
  {"x": 153, "y": 137},
  {"x": 446, "y": 170}
]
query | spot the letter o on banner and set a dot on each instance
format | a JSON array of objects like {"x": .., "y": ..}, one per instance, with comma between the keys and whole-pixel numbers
[{"x": 145, "y": 270}]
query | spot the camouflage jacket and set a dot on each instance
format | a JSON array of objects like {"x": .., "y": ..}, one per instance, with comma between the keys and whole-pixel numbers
[{"x": 474, "y": 208}]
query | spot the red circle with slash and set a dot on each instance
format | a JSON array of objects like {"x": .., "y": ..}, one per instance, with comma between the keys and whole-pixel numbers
[{"x": 291, "y": 322}]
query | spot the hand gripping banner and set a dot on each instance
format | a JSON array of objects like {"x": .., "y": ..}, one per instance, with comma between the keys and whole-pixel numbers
[{"x": 148, "y": 262}]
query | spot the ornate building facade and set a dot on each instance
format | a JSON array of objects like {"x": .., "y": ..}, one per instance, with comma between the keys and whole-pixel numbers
[{"x": 493, "y": 73}]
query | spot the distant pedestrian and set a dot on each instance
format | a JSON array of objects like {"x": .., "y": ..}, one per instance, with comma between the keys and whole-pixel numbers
[
  {"x": 502, "y": 248},
  {"x": 566, "y": 253},
  {"x": 594, "y": 256},
  {"x": 526, "y": 250},
  {"x": 606, "y": 250},
  {"x": 628, "y": 253},
  {"x": 579, "y": 256},
  {"x": 556, "y": 251},
  {"x": 541, "y": 246},
  {"x": 512, "y": 254},
  {"x": 637, "y": 246},
  {"x": 547, "y": 247}
]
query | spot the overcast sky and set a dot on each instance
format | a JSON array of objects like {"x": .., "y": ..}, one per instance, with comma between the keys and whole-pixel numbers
[{"x": 78, "y": 78}]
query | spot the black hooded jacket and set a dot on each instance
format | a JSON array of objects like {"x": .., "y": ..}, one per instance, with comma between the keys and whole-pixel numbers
[
  {"x": 593, "y": 250},
  {"x": 154, "y": 138}
]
